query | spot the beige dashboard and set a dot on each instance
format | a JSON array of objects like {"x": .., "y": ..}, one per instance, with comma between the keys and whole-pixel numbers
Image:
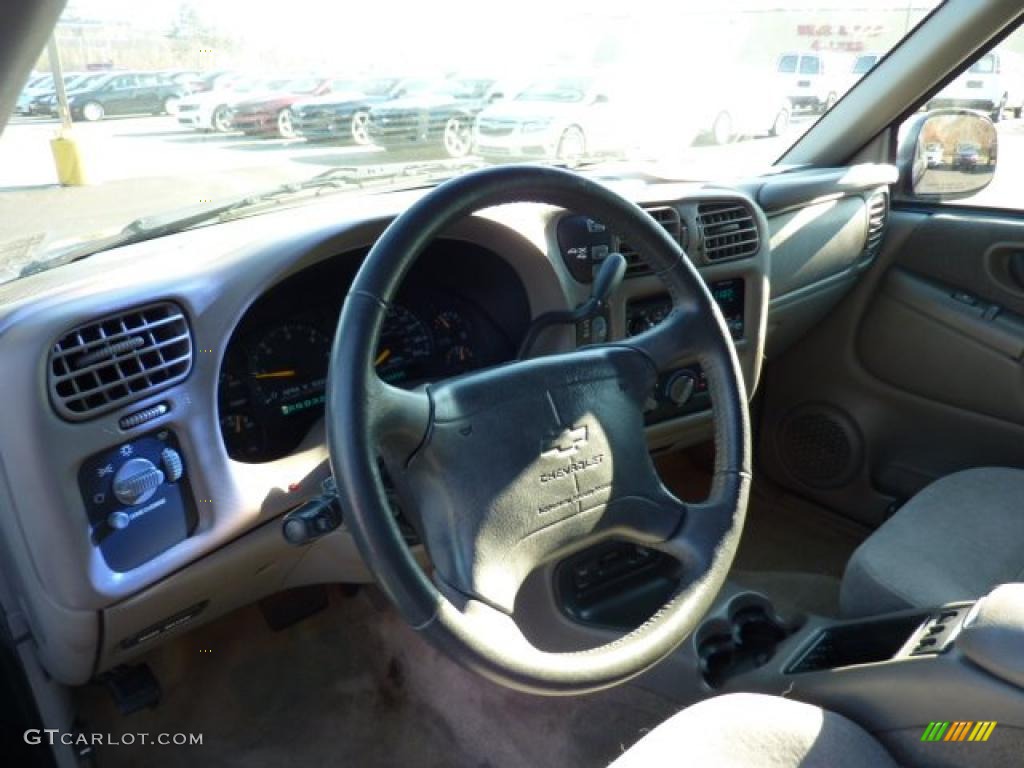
[{"x": 88, "y": 614}]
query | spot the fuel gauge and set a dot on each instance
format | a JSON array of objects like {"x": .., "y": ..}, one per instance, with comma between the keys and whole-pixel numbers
[{"x": 244, "y": 437}]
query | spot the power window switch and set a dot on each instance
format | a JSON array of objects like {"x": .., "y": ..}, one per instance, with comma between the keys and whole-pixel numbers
[{"x": 965, "y": 298}]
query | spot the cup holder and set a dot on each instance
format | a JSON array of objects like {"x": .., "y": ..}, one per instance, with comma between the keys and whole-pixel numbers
[{"x": 742, "y": 640}]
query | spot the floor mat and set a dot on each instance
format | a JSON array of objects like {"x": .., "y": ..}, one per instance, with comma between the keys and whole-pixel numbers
[
  {"x": 793, "y": 592},
  {"x": 792, "y": 550},
  {"x": 354, "y": 686},
  {"x": 786, "y": 533}
]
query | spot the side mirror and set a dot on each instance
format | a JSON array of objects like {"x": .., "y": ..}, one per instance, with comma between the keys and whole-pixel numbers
[
  {"x": 601, "y": 98},
  {"x": 947, "y": 154}
]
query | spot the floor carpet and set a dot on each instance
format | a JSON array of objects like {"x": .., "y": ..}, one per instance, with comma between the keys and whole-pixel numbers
[
  {"x": 791, "y": 550},
  {"x": 353, "y": 686}
]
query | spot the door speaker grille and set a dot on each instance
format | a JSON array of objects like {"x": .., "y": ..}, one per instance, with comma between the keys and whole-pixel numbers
[{"x": 820, "y": 446}]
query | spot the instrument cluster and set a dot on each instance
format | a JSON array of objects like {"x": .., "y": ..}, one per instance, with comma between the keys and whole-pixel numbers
[{"x": 272, "y": 386}]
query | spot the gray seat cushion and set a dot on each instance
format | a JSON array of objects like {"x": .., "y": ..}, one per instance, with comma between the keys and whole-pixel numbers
[
  {"x": 955, "y": 540},
  {"x": 749, "y": 730}
]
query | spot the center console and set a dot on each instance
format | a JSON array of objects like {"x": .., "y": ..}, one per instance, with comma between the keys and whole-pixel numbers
[
  {"x": 893, "y": 674},
  {"x": 684, "y": 390}
]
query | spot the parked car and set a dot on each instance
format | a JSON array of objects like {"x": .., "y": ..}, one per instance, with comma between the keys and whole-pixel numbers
[
  {"x": 862, "y": 64},
  {"x": 933, "y": 154},
  {"x": 741, "y": 106},
  {"x": 813, "y": 79},
  {"x": 125, "y": 93},
  {"x": 966, "y": 156},
  {"x": 215, "y": 80},
  {"x": 46, "y": 94},
  {"x": 211, "y": 110},
  {"x": 35, "y": 86},
  {"x": 441, "y": 116},
  {"x": 189, "y": 79},
  {"x": 343, "y": 114},
  {"x": 270, "y": 113},
  {"x": 564, "y": 119},
  {"x": 46, "y": 103},
  {"x": 992, "y": 84}
]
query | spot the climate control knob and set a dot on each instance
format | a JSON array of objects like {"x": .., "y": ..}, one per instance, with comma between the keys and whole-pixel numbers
[
  {"x": 680, "y": 387},
  {"x": 119, "y": 520},
  {"x": 171, "y": 461},
  {"x": 136, "y": 481}
]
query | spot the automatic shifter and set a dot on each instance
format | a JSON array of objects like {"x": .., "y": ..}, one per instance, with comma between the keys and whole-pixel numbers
[{"x": 608, "y": 279}]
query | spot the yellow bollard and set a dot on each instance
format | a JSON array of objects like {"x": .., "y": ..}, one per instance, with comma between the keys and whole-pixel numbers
[{"x": 70, "y": 171}]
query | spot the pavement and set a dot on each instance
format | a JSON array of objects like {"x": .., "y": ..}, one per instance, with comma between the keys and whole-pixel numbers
[{"x": 140, "y": 166}]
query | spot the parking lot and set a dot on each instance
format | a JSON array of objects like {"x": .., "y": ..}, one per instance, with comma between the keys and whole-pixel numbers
[
  {"x": 139, "y": 166},
  {"x": 142, "y": 165}
]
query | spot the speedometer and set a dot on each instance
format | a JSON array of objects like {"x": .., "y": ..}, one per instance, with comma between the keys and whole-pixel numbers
[
  {"x": 405, "y": 345},
  {"x": 289, "y": 368}
]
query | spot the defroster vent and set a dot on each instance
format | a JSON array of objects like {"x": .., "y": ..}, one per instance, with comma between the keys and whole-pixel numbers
[
  {"x": 104, "y": 364},
  {"x": 878, "y": 216},
  {"x": 729, "y": 230}
]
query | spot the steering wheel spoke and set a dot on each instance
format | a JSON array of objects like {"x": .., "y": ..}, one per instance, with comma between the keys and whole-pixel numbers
[
  {"x": 678, "y": 339},
  {"x": 401, "y": 417},
  {"x": 704, "y": 524}
]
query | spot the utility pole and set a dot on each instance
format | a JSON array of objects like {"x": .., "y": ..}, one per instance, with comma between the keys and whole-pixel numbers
[
  {"x": 66, "y": 158},
  {"x": 58, "y": 83}
]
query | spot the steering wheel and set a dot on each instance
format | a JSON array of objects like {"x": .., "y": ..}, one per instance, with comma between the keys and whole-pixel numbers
[{"x": 510, "y": 467}]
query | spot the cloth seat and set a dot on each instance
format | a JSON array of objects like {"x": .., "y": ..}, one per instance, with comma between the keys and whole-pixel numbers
[
  {"x": 749, "y": 730},
  {"x": 955, "y": 540}
]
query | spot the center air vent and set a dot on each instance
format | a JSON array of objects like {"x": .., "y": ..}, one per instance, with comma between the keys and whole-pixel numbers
[
  {"x": 730, "y": 231},
  {"x": 669, "y": 219},
  {"x": 101, "y": 365},
  {"x": 878, "y": 214}
]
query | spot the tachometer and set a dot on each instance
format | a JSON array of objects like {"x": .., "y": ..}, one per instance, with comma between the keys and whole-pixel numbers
[
  {"x": 289, "y": 368},
  {"x": 405, "y": 344}
]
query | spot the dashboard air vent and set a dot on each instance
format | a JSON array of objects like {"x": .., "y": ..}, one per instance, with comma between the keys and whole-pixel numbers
[
  {"x": 878, "y": 215},
  {"x": 99, "y": 366},
  {"x": 669, "y": 219},
  {"x": 730, "y": 231}
]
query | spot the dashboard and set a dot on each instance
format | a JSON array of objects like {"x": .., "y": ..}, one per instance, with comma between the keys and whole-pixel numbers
[
  {"x": 463, "y": 308},
  {"x": 173, "y": 390}
]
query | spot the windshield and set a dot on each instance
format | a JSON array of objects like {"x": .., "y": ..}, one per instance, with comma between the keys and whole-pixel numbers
[
  {"x": 465, "y": 89},
  {"x": 88, "y": 81},
  {"x": 562, "y": 89},
  {"x": 229, "y": 105},
  {"x": 864, "y": 64},
  {"x": 986, "y": 65}
]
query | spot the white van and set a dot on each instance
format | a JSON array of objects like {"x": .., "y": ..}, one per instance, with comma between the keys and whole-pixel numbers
[
  {"x": 812, "y": 79},
  {"x": 993, "y": 84}
]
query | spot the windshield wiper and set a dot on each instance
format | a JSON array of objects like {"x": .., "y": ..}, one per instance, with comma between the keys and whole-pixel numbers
[{"x": 389, "y": 177}]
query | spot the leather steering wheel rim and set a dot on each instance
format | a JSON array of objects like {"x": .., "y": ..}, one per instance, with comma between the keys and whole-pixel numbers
[{"x": 485, "y": 461}]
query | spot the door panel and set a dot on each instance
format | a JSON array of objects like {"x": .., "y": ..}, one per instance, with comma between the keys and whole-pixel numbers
[
  {"x": 118, "y": 99},
  {"x": 919, "y": 372},
  {"x": 951, "y": 346}
]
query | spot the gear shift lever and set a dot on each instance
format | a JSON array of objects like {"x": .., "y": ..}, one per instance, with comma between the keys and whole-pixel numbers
[{"x": 606, "y": 282}]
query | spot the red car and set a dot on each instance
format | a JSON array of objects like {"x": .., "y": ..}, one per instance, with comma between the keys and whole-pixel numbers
[{"x": 270, "y": 113}]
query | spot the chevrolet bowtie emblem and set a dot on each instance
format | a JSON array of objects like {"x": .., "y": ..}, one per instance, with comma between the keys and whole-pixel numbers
[{"x": 569, "y": 441}]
